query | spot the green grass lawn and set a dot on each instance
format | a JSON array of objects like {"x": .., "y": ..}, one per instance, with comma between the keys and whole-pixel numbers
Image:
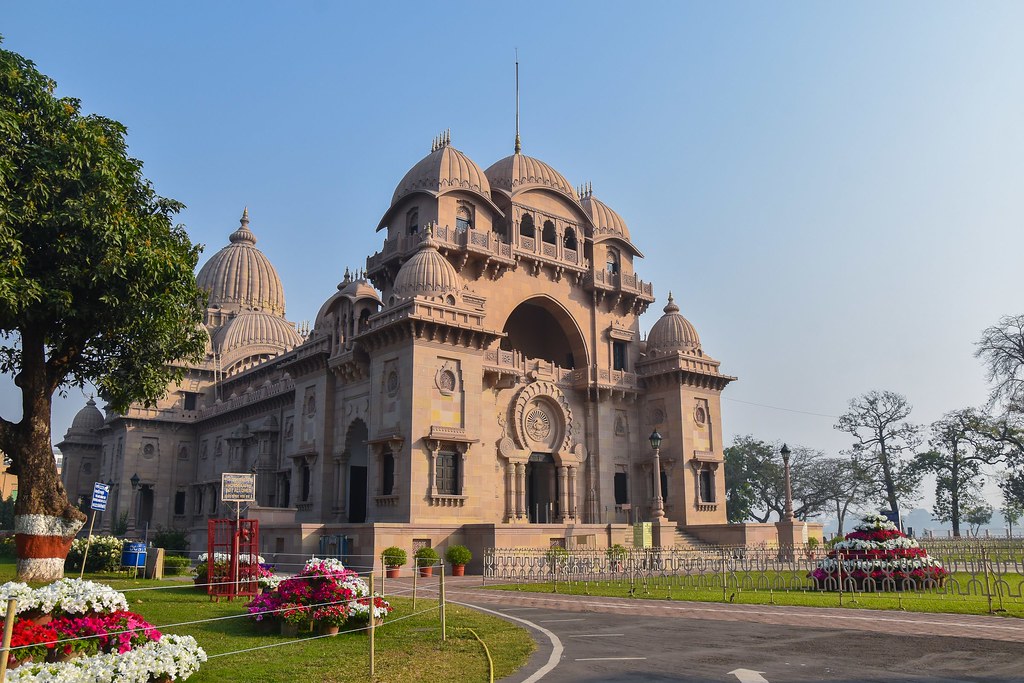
[
  {"x": 408, "y": 648},
  {"x": 662, "y": 589}
]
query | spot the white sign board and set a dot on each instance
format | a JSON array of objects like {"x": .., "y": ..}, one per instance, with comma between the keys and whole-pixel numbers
[
  {"x": 237, "y": 487},
  {"x": 100, "y": 492}
]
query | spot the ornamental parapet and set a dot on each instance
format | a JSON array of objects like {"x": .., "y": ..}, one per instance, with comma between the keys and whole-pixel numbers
[{"x": 249, "y": 397}]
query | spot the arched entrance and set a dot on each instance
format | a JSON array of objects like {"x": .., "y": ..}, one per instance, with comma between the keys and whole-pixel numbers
[{"x": 541, "y": 328}]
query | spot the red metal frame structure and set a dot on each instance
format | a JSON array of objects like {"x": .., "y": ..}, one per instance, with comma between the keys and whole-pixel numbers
[{"x": 238, "y": 541}]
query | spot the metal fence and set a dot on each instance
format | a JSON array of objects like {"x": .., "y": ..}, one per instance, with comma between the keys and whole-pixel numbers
[{"x": 982, "y": 570}]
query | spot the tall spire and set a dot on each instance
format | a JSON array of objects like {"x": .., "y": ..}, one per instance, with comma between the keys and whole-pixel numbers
[
  {"x": 519, "y": 144},
  {"x": 243, "y": 233}
]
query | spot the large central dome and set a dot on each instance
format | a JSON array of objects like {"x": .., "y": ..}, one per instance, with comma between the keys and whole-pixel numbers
[{"x": 240, "y": 277}]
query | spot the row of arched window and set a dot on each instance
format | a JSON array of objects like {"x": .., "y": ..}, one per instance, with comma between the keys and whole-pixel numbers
[{"x": 548, "y": 234}]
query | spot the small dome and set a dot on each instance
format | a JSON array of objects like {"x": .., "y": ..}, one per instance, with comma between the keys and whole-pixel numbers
[
  {"x": 427, "y": 273},
  {"x": 256, "y": 328},
  {"x": 519, "y": 171},
  {"x": 445, "y": 168},
  {"x": 607, "y": 223},
  {"x": 672, "y": 333},
  {"x": 88, "y": 418},
  {"x": 240, "y": 277}
]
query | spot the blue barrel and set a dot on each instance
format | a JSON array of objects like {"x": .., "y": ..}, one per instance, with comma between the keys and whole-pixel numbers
[{"x": 134, "y": 555}]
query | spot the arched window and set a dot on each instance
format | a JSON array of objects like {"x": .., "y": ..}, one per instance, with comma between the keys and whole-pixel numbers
[
  {"x": 549, "y": 232},
  {"x": 412, "y": 222},
  {"x": 612, "y": 262},
  {"x": 526, "y": 226},
  {"x": 569, "y": 241},
  {"x": 364, "y": 319},
  {"x": 463, "y": 218}
]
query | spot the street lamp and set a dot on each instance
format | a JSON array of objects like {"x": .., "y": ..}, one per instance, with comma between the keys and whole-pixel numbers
[
  {"x": 789, "y": 488},
  {"x": 135, "y": 481},
  {"x": 658, "y": 504}
]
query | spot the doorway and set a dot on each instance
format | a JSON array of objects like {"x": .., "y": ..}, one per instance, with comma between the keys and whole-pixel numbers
[
  {"x": 356, "y": 494},
  {"x": 542, "y": 489}
]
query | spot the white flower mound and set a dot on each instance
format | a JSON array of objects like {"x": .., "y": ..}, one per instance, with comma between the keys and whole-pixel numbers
[
  {"x": 175, "y": 656},
  {"x": 69, "y": 596}
]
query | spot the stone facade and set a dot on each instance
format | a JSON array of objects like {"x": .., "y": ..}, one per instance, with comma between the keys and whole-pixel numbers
[{"x": 483, "y": 381}]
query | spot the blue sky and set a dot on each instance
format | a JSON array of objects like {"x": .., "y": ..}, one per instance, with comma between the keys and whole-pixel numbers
[{"x": 831, "y": 191}]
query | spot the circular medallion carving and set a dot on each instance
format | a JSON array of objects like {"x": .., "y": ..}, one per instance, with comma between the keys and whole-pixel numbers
[
  {"x": 538, "y": 424},
  {"x": 446, "y": 381},
  {"x": 148, "y": 451},
  {"x": 392, "y": 383},
  {"x": 699, "y": 415}
]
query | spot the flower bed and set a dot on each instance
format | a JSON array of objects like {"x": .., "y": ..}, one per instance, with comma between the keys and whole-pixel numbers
[
  {"x": 172, "y": 657},
  {"x": 878, "y": 556},
  {"x": 325, "y": 592},
  {"x": 104, "y": 554},
  {"x": 90, "y": 621}
]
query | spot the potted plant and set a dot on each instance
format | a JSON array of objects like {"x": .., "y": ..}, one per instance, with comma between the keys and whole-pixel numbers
[
  {"x": 426, "y": 558},
  {"x": 458, "y": 556},
  {"x": 293, "y": 617},
  {"x": 393, "y": 558},
  {"x": 329, "y": 619}
]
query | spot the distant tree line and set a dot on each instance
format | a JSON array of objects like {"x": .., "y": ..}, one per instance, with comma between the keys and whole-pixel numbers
[{"x": 890, "y": 455}]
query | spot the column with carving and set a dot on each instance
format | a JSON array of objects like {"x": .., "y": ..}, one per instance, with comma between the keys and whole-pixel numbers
[
  {"x": 695, "y": 466},
  {"x": 433, "y": 468},
  {"x": 462, "y": 448},
  {"x": 573, "y": 498},
  {"x": 563, "y": 493},
  {"x": 510, "y": 492},
  {"x": 520, "y": 490}
]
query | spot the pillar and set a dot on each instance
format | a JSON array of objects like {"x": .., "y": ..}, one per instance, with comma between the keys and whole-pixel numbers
[
  {"x": 521, "y": 491},
  {"x": 563, "y": 493},
  {"x": 510, "y": 491}
]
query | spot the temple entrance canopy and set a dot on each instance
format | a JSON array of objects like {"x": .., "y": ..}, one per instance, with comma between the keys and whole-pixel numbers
[{"x": 541, "y": 328}]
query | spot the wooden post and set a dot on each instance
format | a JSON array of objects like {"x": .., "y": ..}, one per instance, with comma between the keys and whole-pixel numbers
[
  {"x": 372, "y": 651},
  {"x": 415, "y": 573},
  {"x": 88, "y": 543},
  {"x": 383, "y": 572},
  {"x": 5, "y": 651},
  {"x": 443, "y": 633}
]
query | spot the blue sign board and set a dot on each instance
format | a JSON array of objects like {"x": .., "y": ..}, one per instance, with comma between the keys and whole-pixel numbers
[{"x": 99, "y": 496}]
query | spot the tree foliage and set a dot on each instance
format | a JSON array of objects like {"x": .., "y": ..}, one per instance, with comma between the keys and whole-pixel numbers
[
  {"x": 884, "y": 443},
  {"x": 977, "y": 514},
  {"x": 97, "y": 284},
  {"x": 960, "y": 444},
  {"x": 756, "y": 483}
]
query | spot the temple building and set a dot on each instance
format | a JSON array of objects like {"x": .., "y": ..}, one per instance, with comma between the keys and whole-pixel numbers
[{"x": 484, "y": 381}]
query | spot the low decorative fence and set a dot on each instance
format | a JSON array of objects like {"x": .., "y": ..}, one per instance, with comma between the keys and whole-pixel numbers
[{"x": 994, "y": 570}]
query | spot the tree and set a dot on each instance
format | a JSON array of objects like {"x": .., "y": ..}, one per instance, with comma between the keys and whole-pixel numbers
[
  {"x": 1012, "y": 513},
  {"x": 959, "y": 447},
  {"x": 847, "y": 485},
  {"x": 976, "y": 514},
  {"x": 96, "y": 285},
  {"x": 884, "y": 443},
  {"x": 756, "y": 482},
  {"x": 1001, "y": 349}
]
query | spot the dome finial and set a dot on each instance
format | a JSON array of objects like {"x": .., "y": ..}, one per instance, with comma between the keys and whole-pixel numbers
[
  {"x": 671, "y": 306},
  {"x": 519, "y": 144},
  {"x": 243, "y": 233}
]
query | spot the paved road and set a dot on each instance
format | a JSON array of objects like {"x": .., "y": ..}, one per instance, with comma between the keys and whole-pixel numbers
[{"x": 627, "y": 641}]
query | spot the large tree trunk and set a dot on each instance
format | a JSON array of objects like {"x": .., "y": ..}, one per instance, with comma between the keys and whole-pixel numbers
[{"x": 44, "y": 522}]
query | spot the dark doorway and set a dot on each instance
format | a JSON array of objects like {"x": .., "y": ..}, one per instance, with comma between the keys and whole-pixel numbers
[
  {"x": 145, "y": 515},
  {"x": 356, "y": 494},
  {"x": 541, "y": 489}
]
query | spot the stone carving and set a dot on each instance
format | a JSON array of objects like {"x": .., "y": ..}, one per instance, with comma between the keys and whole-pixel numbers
[{"x": 542, "y": 417}]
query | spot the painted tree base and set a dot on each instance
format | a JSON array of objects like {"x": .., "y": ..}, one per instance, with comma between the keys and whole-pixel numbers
[{"x": 42, "y": 543}]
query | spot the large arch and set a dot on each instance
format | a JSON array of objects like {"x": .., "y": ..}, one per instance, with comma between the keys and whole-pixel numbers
[{"x": 540, "y": 327}]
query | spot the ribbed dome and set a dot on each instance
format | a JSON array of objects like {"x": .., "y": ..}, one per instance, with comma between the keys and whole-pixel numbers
[
  {"x": 256, "y": 328},
  {"x": 520, "y": 171},
  {"x": 239, "y": 277},
  {"x": 427, "y": 273},
  {"x": 606, "y": 221},
  {"x": 445, "y": 168},
  {"x": 672, "y": 333},
  {"x": 88, "y": 418}
]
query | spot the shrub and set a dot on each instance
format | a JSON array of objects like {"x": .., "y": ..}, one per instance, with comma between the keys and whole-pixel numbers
[
  {"x": 104, "y": 554},
  {"x": 174, "y": 541},
  {"x": 556, "y": 557},
  {"x": 177, "y": 566},
  {"x": 7, "y": 548},
  {"x": 426, "y": 557},
  {"x": 394, "y": 556},
  {"x": 616, "y": 553},
  {"x": 458, "y": 554}
]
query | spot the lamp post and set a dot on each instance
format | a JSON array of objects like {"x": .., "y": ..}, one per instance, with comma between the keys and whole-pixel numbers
[
  {"x": 658, "y": 504},
  {"x": 789, "y": 488}
]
